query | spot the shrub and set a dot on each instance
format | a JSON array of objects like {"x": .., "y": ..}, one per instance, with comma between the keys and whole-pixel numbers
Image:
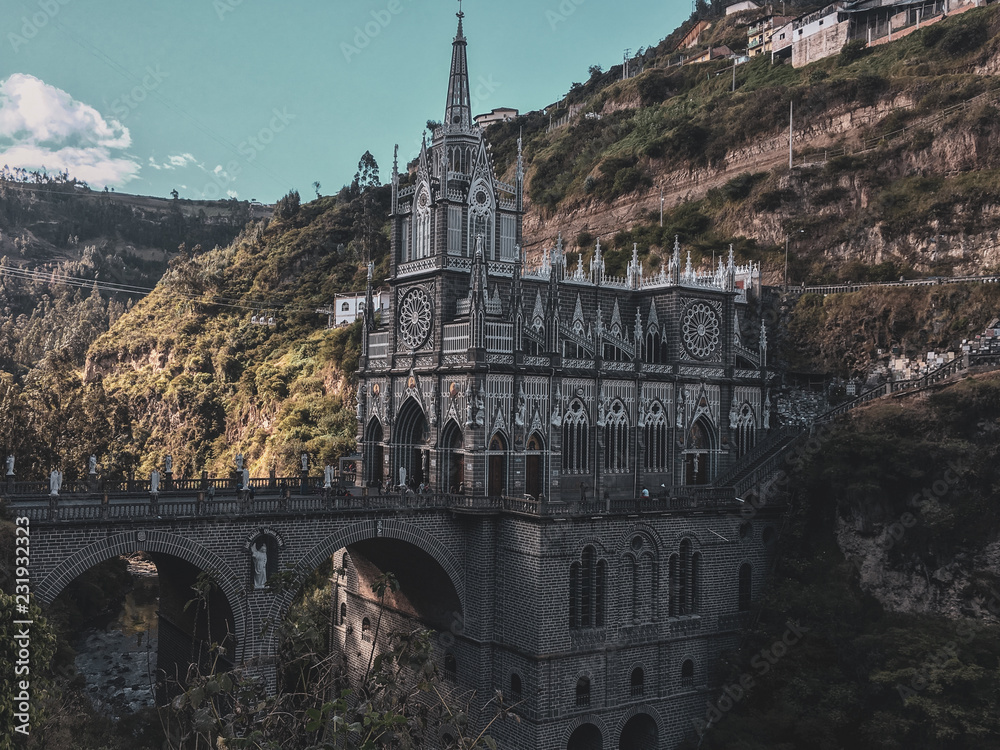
[{"x": 853, "y": 50}]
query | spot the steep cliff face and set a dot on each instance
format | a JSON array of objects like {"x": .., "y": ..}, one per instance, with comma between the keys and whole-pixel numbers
[{"x": 921, "y": 111}]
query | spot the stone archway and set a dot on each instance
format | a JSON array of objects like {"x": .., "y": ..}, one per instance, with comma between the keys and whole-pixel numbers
[
  {"x": 410, "y": 444},
  {"x": 358, "y": 534},
  {"x": 640, "y": 733}
]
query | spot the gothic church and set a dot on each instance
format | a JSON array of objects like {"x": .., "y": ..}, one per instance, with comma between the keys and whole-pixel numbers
[{"x": 546, "y": 398}]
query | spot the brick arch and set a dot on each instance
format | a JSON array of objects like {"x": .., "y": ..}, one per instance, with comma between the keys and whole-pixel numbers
[
  {"x": 641, "y": 529},
  {"x": 631, "y": 713},
  {"x": 579, "y": 721},
  {"x": 361, "y": 532},
  {"x": 161, "y": 542}
]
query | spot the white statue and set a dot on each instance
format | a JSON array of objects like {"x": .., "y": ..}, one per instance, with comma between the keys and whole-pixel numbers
[
  {"x": 55, "y": 482},
  {"x": 154, "y": 482},
  {"x": 239, "y": 462},
  {"x": 10, "y": 466},
  {"x": 402, "y": 476},
  {"x": 305, "y": 463},
  {"x": 259, "y": 553},
  {"x": 246, "y": 479},
  {"x": 92, "y": 465},
  {"x": 734, "y": 418},
  {"x": 169, "y": 463},
  {"x": 522, "y": 407},
  {"x": 328, "y": 477}
]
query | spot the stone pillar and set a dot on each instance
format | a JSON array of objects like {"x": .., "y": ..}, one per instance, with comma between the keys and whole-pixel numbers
[
  {"x": 168, "y": 480},
  {"x": 272, "y": 480},
  {"x": 92, "y": 484}
]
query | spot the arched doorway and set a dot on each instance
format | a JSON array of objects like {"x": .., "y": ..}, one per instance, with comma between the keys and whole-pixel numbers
[
  {"x": 497, "y": 479},
  {"x": 374, "y": 454},
  {"x": 534, "y": 466},
  {"x": 640, "y": 733},
  {"x": 410, "y": 445},
  {"x": 697, "y": 455},
  {"x": 452, "y": 459},
  {"x": 586, "y": 737}
]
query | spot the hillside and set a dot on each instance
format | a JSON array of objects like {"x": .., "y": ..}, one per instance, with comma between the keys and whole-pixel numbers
[{"x": 914, "y": 185}]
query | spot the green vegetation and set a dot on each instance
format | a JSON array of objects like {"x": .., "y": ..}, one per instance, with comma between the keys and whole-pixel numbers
[
  {"x": 841, "y": 333},
  {"x": 861, "y": 676}
]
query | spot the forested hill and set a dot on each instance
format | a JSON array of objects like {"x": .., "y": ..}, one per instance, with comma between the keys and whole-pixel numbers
[
  {"x": 187, "y": 372},
  {"x": 73, "y": 260}
]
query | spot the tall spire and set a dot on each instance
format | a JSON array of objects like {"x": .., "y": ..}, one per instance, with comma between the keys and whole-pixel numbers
[{"x": 458, "y": 112}]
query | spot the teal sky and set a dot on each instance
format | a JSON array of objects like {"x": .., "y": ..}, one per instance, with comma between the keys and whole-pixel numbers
[{"x": 254, "y": 97}]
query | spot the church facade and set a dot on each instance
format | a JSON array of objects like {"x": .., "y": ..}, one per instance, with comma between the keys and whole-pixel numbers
[
  {"x": 560, "y": 395},
  {"x": 487, "y": 376}
]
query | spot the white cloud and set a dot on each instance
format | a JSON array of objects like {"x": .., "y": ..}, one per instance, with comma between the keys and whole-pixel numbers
[
  {"x": 179, "y": 161},
  {"x": 42, "y": 126}
]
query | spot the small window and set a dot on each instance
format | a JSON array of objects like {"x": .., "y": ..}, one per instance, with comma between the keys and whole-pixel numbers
[
  {"x": 637, "y": 682},
  {"x": 515, "y": 687},
  {"x": 366, "y": 629},
  {"x": 583, "y": 691},
  {"x": 343, "y": 613},
  {"x": 346, "y": 307},
  {"x": 687, "y": 673}
]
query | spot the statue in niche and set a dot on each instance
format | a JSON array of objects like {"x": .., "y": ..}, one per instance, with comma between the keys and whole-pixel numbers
[
  {"x": 522, "y": 407},
  {"x": 10, "y": 466},
  {"x": 55, "y": 482},
  {"x": 92, "y": 465},
  {"x": 360, "y": 404},
  {"x": 680, "y": 409},
  {"x": 259, "y": 553},
  {"x": 734, "y": 417},
  {"x": 470, "y": 416},
  {"x": 480, "y": 409},
  {"x": 434, "y": 408}
]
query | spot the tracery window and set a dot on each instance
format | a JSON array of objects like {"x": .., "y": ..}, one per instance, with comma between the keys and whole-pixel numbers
[
  {"x": 422, "y": 224},
  {"x": 616, "y": 442},
  {"x": 656, "y": 439},
  {"x": 576, "y": 439},
  {"x": 684, "y": 581}
]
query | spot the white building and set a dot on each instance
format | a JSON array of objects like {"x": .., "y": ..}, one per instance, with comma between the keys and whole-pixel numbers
[{"x": 350, "y": 307}]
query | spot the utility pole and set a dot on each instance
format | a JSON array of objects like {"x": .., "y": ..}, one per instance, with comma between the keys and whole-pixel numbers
[
  {"x": 786, "y": 263},
  {"x": 791, "y": 123}
]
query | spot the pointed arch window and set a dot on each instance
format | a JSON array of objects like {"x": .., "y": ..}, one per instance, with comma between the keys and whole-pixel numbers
[
  {"x": 481, "y": 218},
  {"x": 576, "y": 440},
  {"x": 422, "y": 223},
  {"x": 637, "y": 682},
  {"x": 746, "y": 433},
  {"x": 616, "y": 442},
  {"x": 656, "y": 439}
]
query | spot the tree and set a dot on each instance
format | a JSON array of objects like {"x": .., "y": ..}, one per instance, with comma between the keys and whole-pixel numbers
[
  {"x": 367, "y": 174},
  {"x": 288, "y": 206},
  {"x": 174, "y": 194},
  {"x": 316, "y": 187}
]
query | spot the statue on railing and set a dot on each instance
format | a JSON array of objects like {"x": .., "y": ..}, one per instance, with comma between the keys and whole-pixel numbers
[
  {"x": 168, "y": 464},
  {"x": 154, "y": 482},
  {"x": 55, "y": 482},
  {"x": 259, "y": 553},
  {"x": 305, "y": 463},
  {"x": 328, "y": 477},
  {"x": 92, "y": 465},
  {"x": 10, "y": 466},
  {"x": 239, "y": 462}
]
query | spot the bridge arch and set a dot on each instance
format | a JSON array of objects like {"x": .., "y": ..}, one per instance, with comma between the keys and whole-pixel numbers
[
  {"x": 354, "y": 534},
  {"x": 153, "y": 542}
]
